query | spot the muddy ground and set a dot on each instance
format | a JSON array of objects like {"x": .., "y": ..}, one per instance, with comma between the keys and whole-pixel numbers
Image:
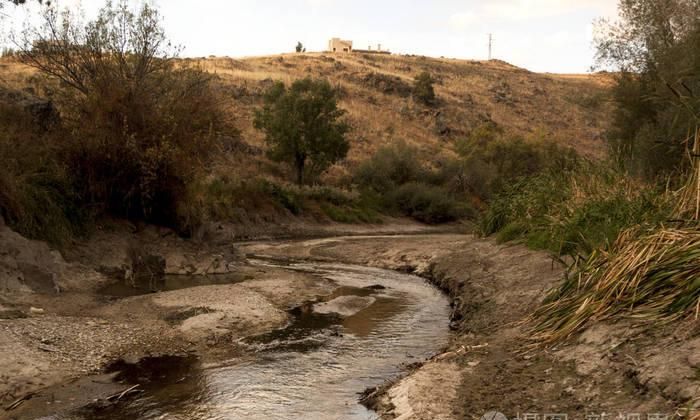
[
  {"x": 611, "y": 368},
  {"x": 47, "y": 338}
]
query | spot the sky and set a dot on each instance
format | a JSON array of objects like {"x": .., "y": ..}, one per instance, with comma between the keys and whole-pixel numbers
[{"x": 540, "y": 35}]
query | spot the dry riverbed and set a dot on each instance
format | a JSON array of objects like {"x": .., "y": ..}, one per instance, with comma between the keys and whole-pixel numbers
[{"x": 47, "y": 338}]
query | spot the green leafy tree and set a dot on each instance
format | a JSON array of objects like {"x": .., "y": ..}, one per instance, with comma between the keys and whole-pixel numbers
[
  {"x": 423, "y": 89},
  {"x": 303, "y": 126},
  {"x": 300, "y": 47},
  {"x": 654, "y": 48}
]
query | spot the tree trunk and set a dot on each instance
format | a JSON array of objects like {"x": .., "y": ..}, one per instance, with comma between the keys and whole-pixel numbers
[{"x": 300, "y": 163}]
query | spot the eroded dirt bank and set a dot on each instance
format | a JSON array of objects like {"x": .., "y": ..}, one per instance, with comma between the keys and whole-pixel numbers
[{"x": 621, "y": 368}]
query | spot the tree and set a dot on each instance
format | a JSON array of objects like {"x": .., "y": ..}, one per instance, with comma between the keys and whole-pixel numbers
[
  {"x": 303, "y": 126},
  {"x": 423, "y": 89},
  {"x": 300, "y": 47},
  {"x": 139, "y": 126},
  {"x": 654, "y": 48}
]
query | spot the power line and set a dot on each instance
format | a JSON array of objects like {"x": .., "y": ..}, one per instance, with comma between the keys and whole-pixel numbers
[{"x": 490, "y": 46}]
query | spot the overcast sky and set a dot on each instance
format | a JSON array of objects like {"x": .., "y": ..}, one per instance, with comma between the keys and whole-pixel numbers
[{"x": 540, "y": 35}]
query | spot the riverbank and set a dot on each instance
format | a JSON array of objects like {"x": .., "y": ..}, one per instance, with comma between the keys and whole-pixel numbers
[{"x": 611, "y": 368}]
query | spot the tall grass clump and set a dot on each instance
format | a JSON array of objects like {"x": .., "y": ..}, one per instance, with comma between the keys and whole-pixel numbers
[
  {"x": 651, "y": 273},
  {"x": 646, "y": 275}
]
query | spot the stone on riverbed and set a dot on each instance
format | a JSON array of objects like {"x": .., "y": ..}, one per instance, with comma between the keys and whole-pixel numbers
[{"x": 344, "y": 305}]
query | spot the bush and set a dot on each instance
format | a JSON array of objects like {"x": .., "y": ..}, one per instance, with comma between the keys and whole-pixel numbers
[
  {"x": 656, "y": 66},
  {"x": 423, "y": 90},
  {"x": 426, "y": 203},
  {"x": 390, "y": 167},
  {"x": 396, "y": 180},
  {"x": 573, "y": 212},
  {"x": 491, "y": 159},
  {"x": 37, "y": 198},
  {"x": 226, "y": 199}
]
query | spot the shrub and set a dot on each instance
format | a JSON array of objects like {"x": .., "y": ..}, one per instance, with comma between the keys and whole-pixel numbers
[
  {"x": 423, "y": 90},
  {"x": 227, "y": 199},
  {"x": 492, "y": 159},
  {"x": 656, "y": 66},
  {"x": 426, "y": 203},
  {"x": 36, "y": 193},
  {"x": 389, "y": 167}
]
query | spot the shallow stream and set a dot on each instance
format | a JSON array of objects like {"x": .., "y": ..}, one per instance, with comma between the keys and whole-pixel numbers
[{"x": 313, "y": 368}]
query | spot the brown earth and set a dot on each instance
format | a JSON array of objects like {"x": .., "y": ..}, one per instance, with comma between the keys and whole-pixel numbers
[{"x": 611, "y": 368}]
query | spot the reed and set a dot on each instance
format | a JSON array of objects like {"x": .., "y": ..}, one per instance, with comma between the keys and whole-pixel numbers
[{"x": 648, "y": 274}]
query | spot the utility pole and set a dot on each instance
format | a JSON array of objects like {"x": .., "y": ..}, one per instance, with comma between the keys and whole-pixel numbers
[{"x": 490, "y": 46}]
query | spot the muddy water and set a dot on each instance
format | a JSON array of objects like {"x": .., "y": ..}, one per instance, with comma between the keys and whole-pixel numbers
[{"x": 313, "y": 368}]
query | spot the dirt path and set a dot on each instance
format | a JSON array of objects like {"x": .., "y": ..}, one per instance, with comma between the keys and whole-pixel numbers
[{"x": 610, "y": 369}]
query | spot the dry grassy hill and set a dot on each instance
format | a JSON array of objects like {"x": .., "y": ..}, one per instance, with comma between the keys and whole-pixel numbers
[{"x": 376, "y": 92}]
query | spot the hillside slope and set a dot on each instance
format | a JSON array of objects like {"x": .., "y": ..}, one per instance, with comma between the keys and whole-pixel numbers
[{"x": 376, "y": 92}]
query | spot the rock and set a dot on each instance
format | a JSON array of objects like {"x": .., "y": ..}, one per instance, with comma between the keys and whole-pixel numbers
[
  {"x": 42, "y": 111},
  {"x": 36, "y": 311},
  {"x": 28, "y": 266},
  {"x": 6, "y": 313},
  {"x": 344, "y": 305},
  {"x": 48, "y": 349}
]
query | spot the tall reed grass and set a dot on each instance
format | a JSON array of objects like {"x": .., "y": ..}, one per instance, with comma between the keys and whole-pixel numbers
[{"x": 650, "y": 274}]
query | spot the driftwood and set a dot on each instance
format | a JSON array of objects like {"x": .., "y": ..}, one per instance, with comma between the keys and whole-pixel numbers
[
  {"x": 119, "y": 395},
  {"x": 462, "y": 350},
  {"x": 19, "y": 402}
]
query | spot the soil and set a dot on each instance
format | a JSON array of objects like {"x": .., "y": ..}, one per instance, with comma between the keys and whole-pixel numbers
[{"x": 50, "y": 340}]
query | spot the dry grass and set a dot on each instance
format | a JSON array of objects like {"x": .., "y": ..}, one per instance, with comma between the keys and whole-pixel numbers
[
  {"x": 470, "y": 93},
  {"x": 652, "y": 276},
  {"x": 647, "y": 275}
]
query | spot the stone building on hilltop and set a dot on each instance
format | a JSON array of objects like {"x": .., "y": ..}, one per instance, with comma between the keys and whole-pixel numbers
[{"x": 339, "y": 45}]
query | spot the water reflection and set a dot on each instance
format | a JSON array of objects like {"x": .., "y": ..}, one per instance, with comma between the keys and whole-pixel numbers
[{"x": 313, "y": 368}]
